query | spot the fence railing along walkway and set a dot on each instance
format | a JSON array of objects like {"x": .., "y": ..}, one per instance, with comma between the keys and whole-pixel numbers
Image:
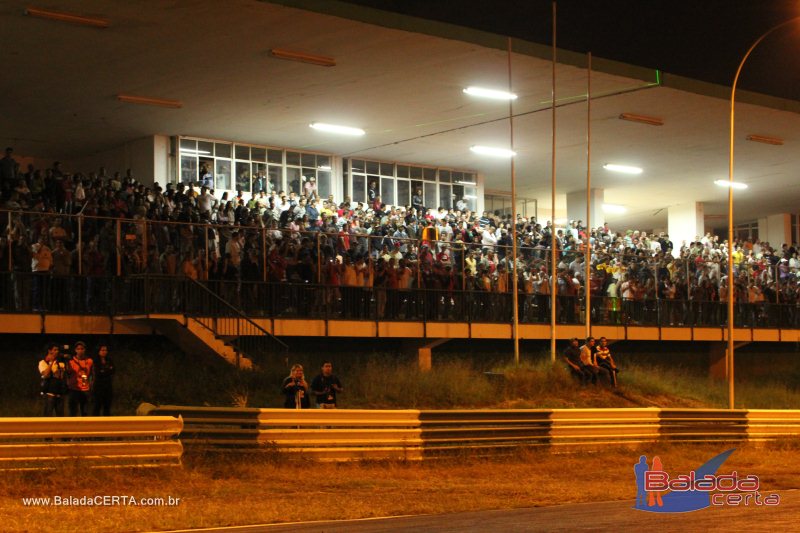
[{"x": 354, "y": 434}]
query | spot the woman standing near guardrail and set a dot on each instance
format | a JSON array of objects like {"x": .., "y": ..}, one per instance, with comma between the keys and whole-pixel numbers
[
  {"x": 103, "y": 392},
  {"x": 295, "y": 389}
]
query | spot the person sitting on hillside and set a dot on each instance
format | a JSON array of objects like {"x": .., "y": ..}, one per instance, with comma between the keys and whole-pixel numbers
[
  {"x": 603, "y": 359},
  {"x": 588, "y": 365},
  {"x": 572, "y": 356}
]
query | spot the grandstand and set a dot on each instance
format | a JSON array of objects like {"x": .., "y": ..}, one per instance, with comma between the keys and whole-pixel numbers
[{"x": 213, "y": 214}]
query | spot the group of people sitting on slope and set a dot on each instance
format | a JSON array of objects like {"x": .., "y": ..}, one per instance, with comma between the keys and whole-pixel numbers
[{"x": 590, "y": 361}]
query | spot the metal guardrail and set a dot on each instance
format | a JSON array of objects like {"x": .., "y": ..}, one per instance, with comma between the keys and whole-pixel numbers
[
  {"x": 353, "y": 434},
  {"x": 94, "y": 441}
]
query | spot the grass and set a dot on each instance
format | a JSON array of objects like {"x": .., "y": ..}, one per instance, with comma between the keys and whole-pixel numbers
[
  {"x": 150, "y": 369},
  {"x": 221, "y": 490}
]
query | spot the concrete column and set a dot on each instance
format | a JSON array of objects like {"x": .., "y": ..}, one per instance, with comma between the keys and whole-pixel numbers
[
  {"x": 576, "y": 207},
  {"x": 775, "y": 229},
  {"x": 685, "y": 222}
]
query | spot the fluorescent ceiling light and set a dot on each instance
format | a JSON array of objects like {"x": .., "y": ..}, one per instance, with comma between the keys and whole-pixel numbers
[
  {"x": 146, "y": 100},
  {"x": 625, "y": 169},
  {"x": 66, "y": 17},
  {"x": 333, "y": 128},
  {"x": 496, "y": 152},
  {"x": 643, "y": 119},
  {"x": 321, "y": 61},
  {"x": 614, "y": 208},
  {"x": 465, "y": 183},
  {"x": 776, "y": 141},
  {"x": 731, "y": 184},
  {"x": 324, "y": 167},
  {"x": 490, "y": 93},
  {"x": 193, "y": 151},
  {"x": 470, "y": 197}
]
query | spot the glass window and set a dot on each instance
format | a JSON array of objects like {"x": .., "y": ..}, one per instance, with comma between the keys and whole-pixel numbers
[
  {"x": 323, "y": 162},
  {"x": 458, "y": 194},
  {"x": 471, "y": 197},
  {"x": 188, "y": 168},
  {"x": 275, "y": 177},
  {"x": 242, "y": 152},
  {"x": 309, "y": 160},
  {"x": 206, "y": 175},
  {"x": 293, "y": 179},
  {"x": 223, "y": 173},
  {"x": 444, "y": 176},
  {"x": 429, "y": 190},
  {"x": 205, "y": 148},
  {"x": 373, "y": 167},
  {"x": 275, "y": 156},
  {"x": 306, "y": 183},
  {"x": 242, "y": 176},
  {"x": 345, "y": 178},
  {"x": 324, "y": 183},
  {"x": 416, "y": 173},
  {"x": 188, "y": 144},
  {"x": 373, "y": 187},
  {"x": 293, "y": 158},
  {"x": 222, "y": 150},
  {"x": 359, "y": 188},
  {"x": 259, "y": 173},
  {"x": 387, "y": 169},
  {"x": 469, "y": 178},
  {"x": 403, "y": 192},
  {"x": 402, "y": 171},
  {"x": 445, "y": 196},
  {"x": 429, "y": 174},
  {"x": 358, "y": 165},
  {"x": 258, "y": 154},
  {"x": 387, "y": 190}
]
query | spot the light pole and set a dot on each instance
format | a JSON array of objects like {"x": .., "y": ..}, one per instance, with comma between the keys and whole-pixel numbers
[{"x": 731, "y": 284}]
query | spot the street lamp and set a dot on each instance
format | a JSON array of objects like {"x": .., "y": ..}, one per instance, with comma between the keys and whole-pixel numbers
[{"x": 730, "y": 210}]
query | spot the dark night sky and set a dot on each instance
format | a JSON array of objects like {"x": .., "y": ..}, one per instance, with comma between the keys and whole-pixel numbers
[{"x": 701, "y": 39}]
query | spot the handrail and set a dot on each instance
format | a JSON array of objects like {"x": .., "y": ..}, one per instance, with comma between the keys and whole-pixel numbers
[{"x": 237, "y": 311}]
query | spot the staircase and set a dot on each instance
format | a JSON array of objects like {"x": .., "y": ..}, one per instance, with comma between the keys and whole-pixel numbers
[{"x": 212, "y": 326}]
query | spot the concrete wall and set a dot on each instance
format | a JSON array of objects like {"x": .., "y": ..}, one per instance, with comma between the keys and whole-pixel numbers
[
  {"x": 775, "y": 229},
  {"x": 139, "y": 155},
  {"x": 685, "y": 222}
]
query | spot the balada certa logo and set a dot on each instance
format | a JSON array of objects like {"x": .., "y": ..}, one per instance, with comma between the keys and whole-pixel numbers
[{"x": 659, "y": 492}]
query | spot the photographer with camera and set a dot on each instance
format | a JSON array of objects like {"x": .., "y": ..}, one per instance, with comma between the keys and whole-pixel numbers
[
  {"x": 325, "y": 386},
  {"x": 295, "y": 389},
  {"x": 79, "y": 380},
  {"x": 53, "y": 370}
]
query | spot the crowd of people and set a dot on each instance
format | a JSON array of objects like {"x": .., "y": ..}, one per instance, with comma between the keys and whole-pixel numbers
[
  {"x": 367, "y": 258},
  {"x": 78, "y": 379}
]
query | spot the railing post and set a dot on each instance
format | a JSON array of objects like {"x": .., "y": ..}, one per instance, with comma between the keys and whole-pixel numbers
[
  {"x": 119, "y": 247},
  {"x": 319, "y": 258},
  {"x": 10, "y": 247},
  {"x": 264, "y": 253},
  {"x": 205, "y": 231},
  {"x": 80, "y": 245}
]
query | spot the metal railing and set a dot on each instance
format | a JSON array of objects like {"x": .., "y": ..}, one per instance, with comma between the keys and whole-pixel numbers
[
  {"x": 96, "y": 441},
  {"x": 352, "y": 434}
]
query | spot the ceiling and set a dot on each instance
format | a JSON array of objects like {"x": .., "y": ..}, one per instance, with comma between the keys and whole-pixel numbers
[{"x": 403, "y": 88}]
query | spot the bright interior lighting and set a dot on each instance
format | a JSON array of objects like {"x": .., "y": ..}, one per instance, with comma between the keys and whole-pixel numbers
[
  {"x": 470, "y": 197},
  {"x": 625, "y": 169},
  {"x": 466, "y": 183},
  {"x": 731, "y": 184},
  {"x": 324, "y": 167},
  {"x": 192, "y": 151},
  {"x": 496, "y": 152},
  {"x": 490, "y": 93},
  {"x": 333, "y": 128},
  {"x": 614, "y": 208}
]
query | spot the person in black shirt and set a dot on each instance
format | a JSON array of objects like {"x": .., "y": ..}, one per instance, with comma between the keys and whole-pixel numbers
[
  {"x": 103, "y": 392},
  {"x": 572, "y": 356},
  {"x": 53, "y": 371},
  {"x": 325, "y": 386},
  {"x": 295, "y": 389}
]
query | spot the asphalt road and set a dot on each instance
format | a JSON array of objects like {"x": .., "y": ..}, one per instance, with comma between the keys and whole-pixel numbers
[{"x": 601, "y": 516}]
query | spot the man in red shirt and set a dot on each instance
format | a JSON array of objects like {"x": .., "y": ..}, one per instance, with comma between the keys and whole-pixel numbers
[{"x": 79, "y": 381}]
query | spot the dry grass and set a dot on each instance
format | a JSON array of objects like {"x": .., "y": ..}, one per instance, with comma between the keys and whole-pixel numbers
[{"x": 263, "y": 488}]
